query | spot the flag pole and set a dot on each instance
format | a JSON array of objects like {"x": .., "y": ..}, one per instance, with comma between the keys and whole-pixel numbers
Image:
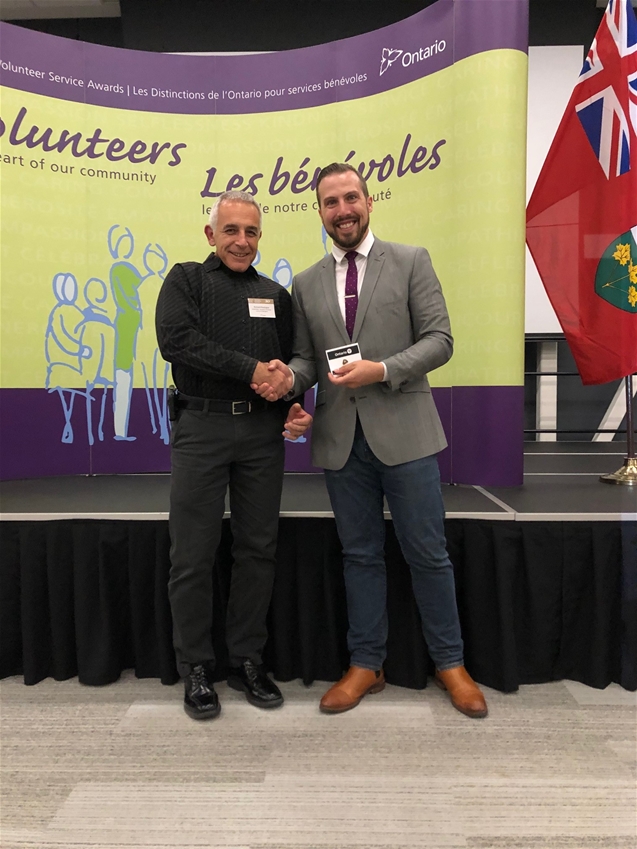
[{"x": 627, "y": 475}]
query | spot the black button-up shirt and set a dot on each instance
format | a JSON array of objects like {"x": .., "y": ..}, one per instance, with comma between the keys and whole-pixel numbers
[{"x": 205, "y": 330}]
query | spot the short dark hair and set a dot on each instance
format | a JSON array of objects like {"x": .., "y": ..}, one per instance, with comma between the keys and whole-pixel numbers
[{"x": 339, "y": 168}]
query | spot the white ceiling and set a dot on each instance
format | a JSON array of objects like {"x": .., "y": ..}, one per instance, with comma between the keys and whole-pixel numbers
[{"x": 32, "y": 9}]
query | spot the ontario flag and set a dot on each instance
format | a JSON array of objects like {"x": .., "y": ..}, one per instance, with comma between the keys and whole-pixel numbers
[{"x": 581, "y": 220}]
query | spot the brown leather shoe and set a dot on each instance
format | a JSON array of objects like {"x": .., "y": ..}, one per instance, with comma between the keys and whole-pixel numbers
[
  {"x": 347, "y": 693},
  {"x": 465, "y": 693}
]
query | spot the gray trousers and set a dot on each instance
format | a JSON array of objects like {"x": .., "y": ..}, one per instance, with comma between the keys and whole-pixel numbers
[{"x": 211, "y": 453}]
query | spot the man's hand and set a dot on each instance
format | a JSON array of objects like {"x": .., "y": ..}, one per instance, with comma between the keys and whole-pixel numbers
[
  {"x": 259, "y": 374},
  {"x": 273, "y": 383},
  {"x": 297, "y": 422},
  {"x": 360, "y": 373}
]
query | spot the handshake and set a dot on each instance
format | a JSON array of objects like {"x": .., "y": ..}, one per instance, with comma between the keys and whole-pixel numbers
[{"x": 272, "y": 380}]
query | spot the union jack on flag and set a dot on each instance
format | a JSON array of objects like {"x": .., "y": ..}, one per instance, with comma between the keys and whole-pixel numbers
[
  {"x": 607, "y": 86},
  {"x": 581, "y": 220}
]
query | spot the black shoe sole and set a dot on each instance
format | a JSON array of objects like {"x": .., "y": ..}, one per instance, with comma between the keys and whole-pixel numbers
[
  {"x": 237, "y": 684},
  {"x": 193, "y": 713}
]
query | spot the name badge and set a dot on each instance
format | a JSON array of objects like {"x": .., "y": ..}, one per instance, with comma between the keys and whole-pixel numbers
[
  {"x": 337, "y": 357},
  {"x": 261, "y": 308}
]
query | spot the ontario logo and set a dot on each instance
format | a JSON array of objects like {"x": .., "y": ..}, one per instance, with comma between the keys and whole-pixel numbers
[
  {"x": 391, "y": 55},
  {"x": 616, "y": 278}
]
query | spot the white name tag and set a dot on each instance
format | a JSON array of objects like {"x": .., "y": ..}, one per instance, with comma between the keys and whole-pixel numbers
[
  {"x": 337, "y": 357},
  {"x": 261, "y": 308}
]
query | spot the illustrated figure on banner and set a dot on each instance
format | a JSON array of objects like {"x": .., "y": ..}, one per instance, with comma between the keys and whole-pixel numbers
[
  {"x": 66, "y": 351},
  {"x": 155, "y": 371},
  {"x": 99, "y": 339},
  {"x": 96, "y": 345},
  {"x": 126, "y": 282}
]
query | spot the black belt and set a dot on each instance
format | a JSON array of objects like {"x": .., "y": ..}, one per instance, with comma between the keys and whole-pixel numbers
[{"x": 215, "y": 405}]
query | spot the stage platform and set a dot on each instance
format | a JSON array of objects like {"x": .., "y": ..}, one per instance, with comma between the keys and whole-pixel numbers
[
  {"x": 546, "y": 577},
  {"x": 561, "y": 483}
]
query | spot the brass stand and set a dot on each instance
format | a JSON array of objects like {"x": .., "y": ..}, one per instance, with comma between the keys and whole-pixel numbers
[{"x": 627, "y": 475}]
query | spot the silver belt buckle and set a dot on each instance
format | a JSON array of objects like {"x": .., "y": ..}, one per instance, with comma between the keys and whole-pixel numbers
[{"x": 236, "y": 412}]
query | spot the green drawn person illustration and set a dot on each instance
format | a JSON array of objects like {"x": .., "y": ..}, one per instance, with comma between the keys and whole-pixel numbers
[
  {"x": 125, "y": 282},
  {"x": 153, "y": 371}
]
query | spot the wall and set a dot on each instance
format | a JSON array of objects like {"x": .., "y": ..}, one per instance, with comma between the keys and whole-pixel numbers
[{"x": 242, "y": 25}]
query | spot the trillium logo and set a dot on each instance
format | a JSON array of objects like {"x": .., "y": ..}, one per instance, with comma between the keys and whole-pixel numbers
[
  {"x": 390, "y": 55},
  {"x": 407, "y": 57}
]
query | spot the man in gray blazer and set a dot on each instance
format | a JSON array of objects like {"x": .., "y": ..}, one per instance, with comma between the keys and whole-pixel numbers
[{"x": 378, "y": 309}]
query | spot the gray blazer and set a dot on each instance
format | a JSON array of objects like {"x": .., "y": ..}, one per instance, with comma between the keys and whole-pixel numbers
[{"x": 402, "y": 321}]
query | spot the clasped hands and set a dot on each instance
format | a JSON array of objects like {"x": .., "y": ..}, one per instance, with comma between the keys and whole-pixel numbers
[{"x": 272, "y": 381}]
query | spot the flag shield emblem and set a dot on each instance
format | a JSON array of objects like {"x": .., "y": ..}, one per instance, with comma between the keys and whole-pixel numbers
[
  {"x": 616, "y": 277},
  {"x": 586, "y": 192}
]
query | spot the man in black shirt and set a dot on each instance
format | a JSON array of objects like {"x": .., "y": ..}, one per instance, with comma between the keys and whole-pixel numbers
[{"x": 220, "y": 323}]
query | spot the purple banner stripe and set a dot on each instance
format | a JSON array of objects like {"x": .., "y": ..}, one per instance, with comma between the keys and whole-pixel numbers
[
  {"x": 487, "y": 435},
  {"x": 442, "y": 397},
  {"x": 293, "y": 79},
  {"x": 481, "y": 25},
  {"x": 32, "y": 427},
  {"x": 484, "y": 427}
]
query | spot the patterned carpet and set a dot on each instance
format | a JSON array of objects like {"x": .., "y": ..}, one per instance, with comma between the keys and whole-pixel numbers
[{"x": 122, "y": 766}]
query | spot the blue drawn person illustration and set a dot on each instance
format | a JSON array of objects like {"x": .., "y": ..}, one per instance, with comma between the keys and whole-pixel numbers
[
  {"x": 99, "y": 339},
  {"x": 282, "y": 273},
  {"x": 125, "y": 282},
  {"x": 324, "y": 240},
  {"x": 65, "y": 350}
]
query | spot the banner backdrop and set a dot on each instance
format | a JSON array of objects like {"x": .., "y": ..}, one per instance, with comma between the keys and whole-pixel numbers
[{"x": 111, "y": 160}]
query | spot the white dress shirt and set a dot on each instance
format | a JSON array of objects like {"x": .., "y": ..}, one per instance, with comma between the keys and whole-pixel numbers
[{"x": 362, "y": 252}]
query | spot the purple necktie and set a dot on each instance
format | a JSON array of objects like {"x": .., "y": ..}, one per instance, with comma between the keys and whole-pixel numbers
[{"x": 351, "y": 292}]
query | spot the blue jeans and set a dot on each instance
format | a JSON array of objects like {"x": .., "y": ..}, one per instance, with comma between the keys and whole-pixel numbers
[{"x": 415, "y": 501}]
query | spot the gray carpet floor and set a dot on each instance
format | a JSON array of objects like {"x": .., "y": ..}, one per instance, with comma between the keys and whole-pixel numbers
[{"x": 122, "y": 766}]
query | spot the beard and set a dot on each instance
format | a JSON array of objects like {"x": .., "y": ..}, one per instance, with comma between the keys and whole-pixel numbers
[{"x": 350, "y": 238}]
